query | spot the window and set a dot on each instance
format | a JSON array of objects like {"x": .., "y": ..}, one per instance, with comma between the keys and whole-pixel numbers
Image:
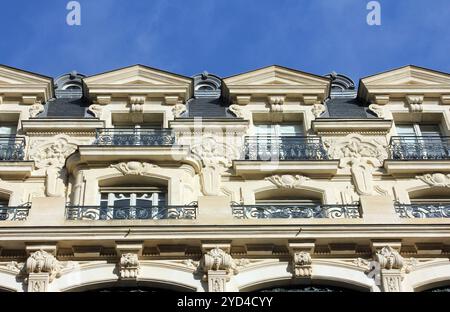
[
  {"x": 418, "y": 130},
  {"x": 420, "y": 141},
  {"x": 277, "y": 129},
  {"x": 132, "y": 197}
]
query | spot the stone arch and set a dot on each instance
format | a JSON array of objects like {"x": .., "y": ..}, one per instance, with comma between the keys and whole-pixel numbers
[
  {"x": 429, "y": 275},
  {"x": 93, "y": 276},
  {"x": 324, "y": 273},
  {"x": 268, "y": 188}
]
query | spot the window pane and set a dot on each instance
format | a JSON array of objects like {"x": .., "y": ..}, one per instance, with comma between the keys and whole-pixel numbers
[
  {"x": 7, "y": 130},
  {"x": 294, "y": 130},
  {"x": 405, "y": 130},
  {"x": 430, "y": 130}
]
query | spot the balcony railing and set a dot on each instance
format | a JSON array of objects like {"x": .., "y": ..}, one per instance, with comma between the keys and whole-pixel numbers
[
  {"x": 188, "y": 212},
  {"x": 12, "y": 148},
  {"x": 134, "y": 136},
  {"x": 305, "y": 211},
  {"x": 19, "y": 213},
  {"x": 284, "y": 148},
  {"x": 423, "y": 211},
  {"x": 420, "y": 148}
]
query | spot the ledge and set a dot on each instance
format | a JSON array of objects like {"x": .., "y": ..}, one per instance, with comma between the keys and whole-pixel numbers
[
  {"x": 346, "y": 125},
  {"x": 60, "y": 124},
  {"x": 247, "y": 168},
  {"x": 416, "y": 166},
  {"x": 16, "y": 169},
  {"x": 105, "y": 153}
]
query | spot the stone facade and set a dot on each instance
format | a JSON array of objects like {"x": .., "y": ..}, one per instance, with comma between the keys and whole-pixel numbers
[{"x": 343, "y": 204}]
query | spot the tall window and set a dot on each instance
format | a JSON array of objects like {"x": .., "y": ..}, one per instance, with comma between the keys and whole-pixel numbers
[
  {"x": 278, "y": 129},
  {"x": 133, "y": 196},
  {"x": 415, "y": 129}
]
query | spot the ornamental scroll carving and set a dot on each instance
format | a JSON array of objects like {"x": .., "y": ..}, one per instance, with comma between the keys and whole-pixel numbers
[
  {"x": 36, "y": 109},
  {"x": 179, "y": 109},
  {"x": 51, "y": 156},
  {"x": 287, "y": 180},
  {"x": 134, "y": 168},
  {"x": 435, "y": 179},
  {"x": 362, "y": 156},
  {"x": 317, "y": 109},
  {"x": 216, "y": 157}
]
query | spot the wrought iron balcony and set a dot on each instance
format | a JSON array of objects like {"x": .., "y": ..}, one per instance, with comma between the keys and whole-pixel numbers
[
  {"x": 423, "y": 211},
  {"x": 188, "y": 212},
  {"x": 134, "y": 136},
  {"x": 284, "y": 148},
  {"x": 19, "y": 213},
  {"x": 12, "y": 148},
  {"x": 305, "y": 211},
  {"x": 420, "y": 148}
]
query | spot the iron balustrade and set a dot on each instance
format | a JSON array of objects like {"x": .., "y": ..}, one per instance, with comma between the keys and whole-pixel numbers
[
  {"x": 134, "y": 136},
  {"x": 19, "y": 213},
  {"x": 423, "y": 211},
  {"x": 420, "y": 147},
  {"x": 284, "y": 148},
  {"x": 12, "y": 148},
  {"x": 293, "y": 211},
  {"x": 188, "y": 212}
]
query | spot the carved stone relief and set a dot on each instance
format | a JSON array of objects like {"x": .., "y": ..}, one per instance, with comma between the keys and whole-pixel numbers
[
  {"x": 317, "y": 109},
  {"x": 51, "y": 156},
  {"x": 377, "y": 109},
  {"x": 362, "y": 156},
  {"x": 134, "y": 168},
  {"x": 178, "y": 109},
  {"x": 217, "y": 266},
  {"x": 129, "y": 266},
  {"x": 288, "y": 181},
  {"x": 435, "y": 179},
  {"x": 302, "y": 264}
]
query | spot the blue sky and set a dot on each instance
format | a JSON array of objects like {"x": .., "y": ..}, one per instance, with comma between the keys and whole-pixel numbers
[{"x": 225, "y": 37}]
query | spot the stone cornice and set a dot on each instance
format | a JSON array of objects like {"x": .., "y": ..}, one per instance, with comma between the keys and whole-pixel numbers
[
  {"x": 52, "y": 125},
  {"x": 339, "y": 126}
]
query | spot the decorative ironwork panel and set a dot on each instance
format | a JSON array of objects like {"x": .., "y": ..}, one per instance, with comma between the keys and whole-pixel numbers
[
  {"x": 419, "y": 148},
  {"x": 295, "y": 211},
  {"x": 131, "y": 213},
  {"x": 423, "y": 211},
  {"x": 12, "y": 148},
  {"x": 134, "y": 136},
  {"x": 284, "y": 148},
  {"x": 14, "y": 213}
]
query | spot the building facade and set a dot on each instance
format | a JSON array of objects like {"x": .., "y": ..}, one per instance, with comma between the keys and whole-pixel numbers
[{"x": 274, "y": 179}]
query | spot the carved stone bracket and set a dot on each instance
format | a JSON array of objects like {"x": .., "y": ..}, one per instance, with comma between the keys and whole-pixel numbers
[
  {"x": 36, "y": 109},
  {"x": 96, "y": 110},
  {"x": 42, "y": 268},
  {"x": 388, "y": 267},
  {"x": 317, "y": 109},
  {"x": 129, "y": 266},
  {"x": 415, "y": 103},
  {"x": 237, "y": 110},
  {"x": 217, "y": 266},
  {"x": 276, "y": 102},
  {"x": 377, "y": 109},
  {"x": 178, "y": 109},
  {"x": 302, "y": 264}
]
